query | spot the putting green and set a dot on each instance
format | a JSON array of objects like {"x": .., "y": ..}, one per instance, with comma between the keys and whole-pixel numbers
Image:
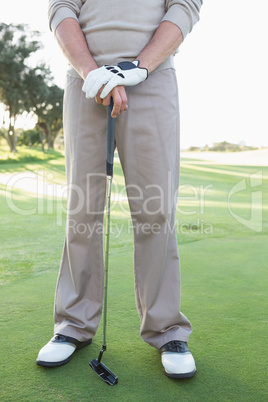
[{"x": 223, "y": 255}]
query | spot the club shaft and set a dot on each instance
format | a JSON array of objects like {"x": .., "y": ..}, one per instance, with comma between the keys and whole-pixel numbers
[
  {"x": 106, "y": 257},
  {"x": 103, "y": 372}
]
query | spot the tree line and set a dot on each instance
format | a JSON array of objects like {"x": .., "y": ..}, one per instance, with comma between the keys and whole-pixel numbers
[
  {"x": 223, "y": 146},
  {"x": 27, "y": 88}
]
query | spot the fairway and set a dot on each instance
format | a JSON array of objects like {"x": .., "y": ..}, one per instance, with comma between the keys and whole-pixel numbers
[{"x": 222, "y": 229}]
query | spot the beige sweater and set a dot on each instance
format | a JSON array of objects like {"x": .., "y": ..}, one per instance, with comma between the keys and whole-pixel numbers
[{"x": 118, "y": 30}]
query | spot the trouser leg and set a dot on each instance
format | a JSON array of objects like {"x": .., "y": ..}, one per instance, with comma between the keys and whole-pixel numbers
[
  {"x": 147, "y": 137},
  {"x": 79, "y": 292},
  {"x": 148, "y": 145}
]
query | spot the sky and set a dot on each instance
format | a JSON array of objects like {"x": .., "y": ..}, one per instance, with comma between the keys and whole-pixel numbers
[{"x": 221, "y": 69}]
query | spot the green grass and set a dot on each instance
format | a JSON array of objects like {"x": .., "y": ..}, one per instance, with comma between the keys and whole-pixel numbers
[
  {"x": 224, "y": 294},
  {"x": 26, "y": 154}
]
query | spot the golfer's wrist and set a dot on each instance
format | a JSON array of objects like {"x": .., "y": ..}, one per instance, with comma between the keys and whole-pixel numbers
[
  {"x": 86, "y": 70},
  {"x": 143, "y": 63}
]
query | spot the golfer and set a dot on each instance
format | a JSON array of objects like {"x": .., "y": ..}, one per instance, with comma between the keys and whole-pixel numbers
[{"x": 123, "y": 49}]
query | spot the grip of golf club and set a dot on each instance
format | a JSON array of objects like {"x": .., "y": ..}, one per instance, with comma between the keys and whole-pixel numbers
[{"x": 110, "y": 140}]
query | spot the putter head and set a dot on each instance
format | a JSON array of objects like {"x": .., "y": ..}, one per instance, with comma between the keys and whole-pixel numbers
[{"x": 103, "y": 372}]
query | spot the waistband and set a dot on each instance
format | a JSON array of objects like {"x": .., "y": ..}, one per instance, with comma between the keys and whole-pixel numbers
[{"x": 169, "y": 63}]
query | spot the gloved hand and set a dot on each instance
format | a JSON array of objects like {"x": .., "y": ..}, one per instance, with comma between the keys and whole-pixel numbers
[{"x": 125, "y": 73}]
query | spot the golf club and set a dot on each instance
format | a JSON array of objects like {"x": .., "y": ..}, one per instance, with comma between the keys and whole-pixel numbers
[{"x": 103, "y": 372}]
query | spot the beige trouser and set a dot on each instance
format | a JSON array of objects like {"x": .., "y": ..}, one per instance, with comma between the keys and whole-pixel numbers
[{"x": 147, "y": 139}]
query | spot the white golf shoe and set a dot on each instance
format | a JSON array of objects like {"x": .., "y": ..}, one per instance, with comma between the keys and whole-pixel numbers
[
  {"x": 59, "y": 350},
  {"x": 177, "y": 360}
]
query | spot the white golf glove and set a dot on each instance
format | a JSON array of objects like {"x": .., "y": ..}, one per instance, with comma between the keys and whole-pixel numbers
[{"x": 125, "y": 73}]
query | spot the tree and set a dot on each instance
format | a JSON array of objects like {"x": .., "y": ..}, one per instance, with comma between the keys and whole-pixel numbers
[
  {"x": 50, "y": 115},
  {"x": 29, "y": 138},
  {"x": 22, "y": 88}
]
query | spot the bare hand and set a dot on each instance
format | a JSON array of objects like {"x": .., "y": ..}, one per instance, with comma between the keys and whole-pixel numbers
[{"x": 119, "y": 97}]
